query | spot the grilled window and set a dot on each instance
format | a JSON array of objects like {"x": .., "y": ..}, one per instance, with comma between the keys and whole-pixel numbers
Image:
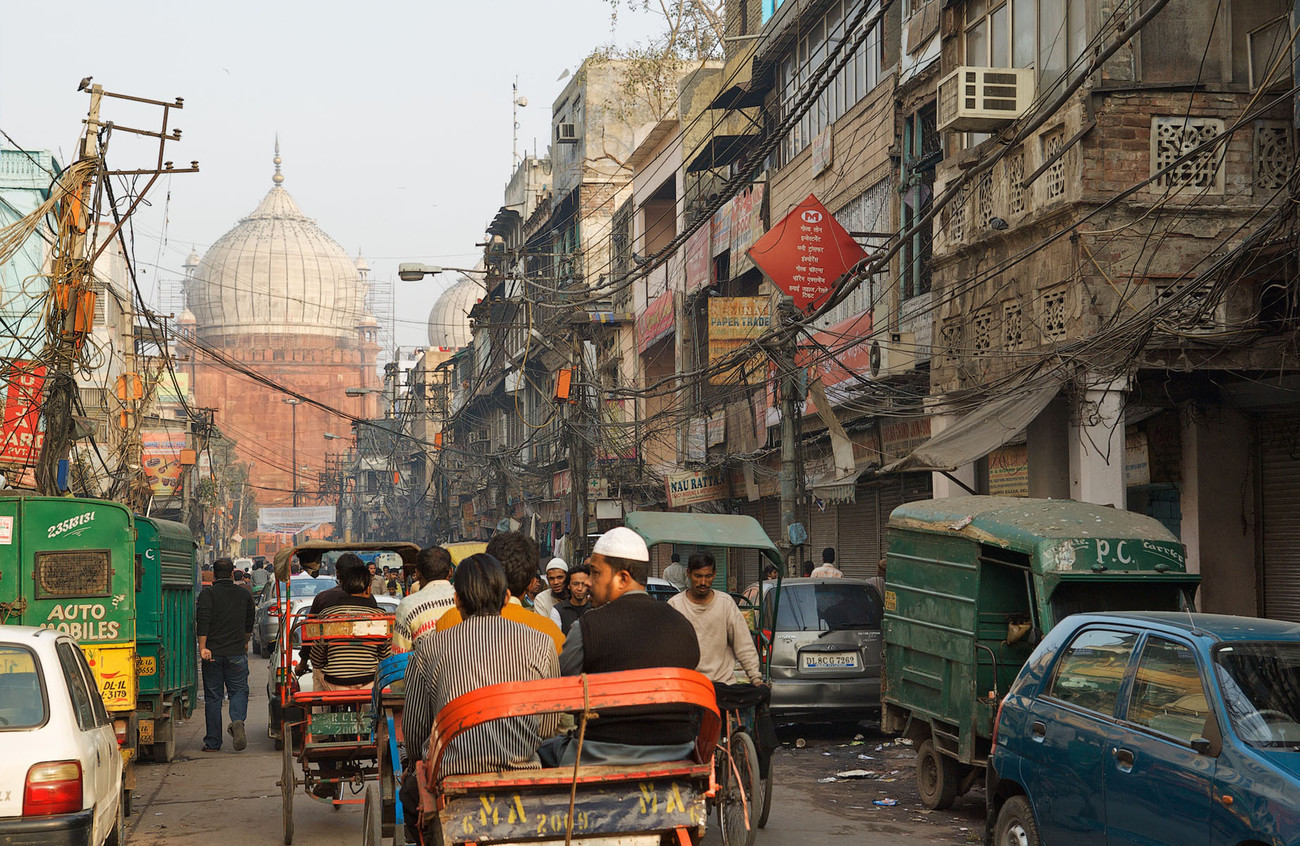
[{"x": 81, "y": 572}]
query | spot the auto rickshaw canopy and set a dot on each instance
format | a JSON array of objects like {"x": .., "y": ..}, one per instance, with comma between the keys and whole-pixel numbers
[
  {"x": 734, "y": 531},
  {"x": 310, "y": 554}
]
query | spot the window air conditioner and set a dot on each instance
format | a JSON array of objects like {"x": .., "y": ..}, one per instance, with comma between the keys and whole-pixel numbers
[
  {"x": 984, "y": 99},
  {"x": 566, "y": 133}
]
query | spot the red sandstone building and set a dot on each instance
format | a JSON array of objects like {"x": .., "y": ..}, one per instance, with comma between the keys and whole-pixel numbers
[{"x": 277, "y": 296}]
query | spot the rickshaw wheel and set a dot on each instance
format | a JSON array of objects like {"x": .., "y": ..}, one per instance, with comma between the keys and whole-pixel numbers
[
  {"x": 371, "y": 816},
  {"x": 738, "y": 811},
  {"x": 765, "y": 808},
  {"x": 287, "y": 785}
]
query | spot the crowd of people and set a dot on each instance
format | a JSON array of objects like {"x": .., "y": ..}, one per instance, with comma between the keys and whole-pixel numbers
[{"x": 489, "y": 621}]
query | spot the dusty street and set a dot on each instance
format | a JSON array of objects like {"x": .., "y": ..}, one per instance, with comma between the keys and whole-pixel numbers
[{"x": 232, "y": 799}]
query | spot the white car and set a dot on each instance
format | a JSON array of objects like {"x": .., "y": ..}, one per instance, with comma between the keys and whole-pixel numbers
[{"x": 61, "y": 781}]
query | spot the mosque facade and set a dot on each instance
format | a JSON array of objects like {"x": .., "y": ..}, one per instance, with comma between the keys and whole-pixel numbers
[{"x": 277, "y": 297}]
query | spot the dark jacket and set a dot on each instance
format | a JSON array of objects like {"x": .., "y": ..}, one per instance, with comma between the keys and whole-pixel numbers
[
  {"x": 225, "y": 617},
  {"x": 636, "y": 632},
  {"x": 570, "y": 614}
]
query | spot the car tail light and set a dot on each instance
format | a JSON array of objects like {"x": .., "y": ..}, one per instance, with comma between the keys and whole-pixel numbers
[
  {"x": 765, "y": 646},
  {"x": 119, "y": 729},
  {"x": 53, "y": 787},
  {"x": 997, "y": 718},
  {"x": 273, "y": 611}
]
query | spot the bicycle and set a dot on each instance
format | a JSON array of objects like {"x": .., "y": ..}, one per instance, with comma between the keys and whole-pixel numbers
[{"x": 744, "y": 793}]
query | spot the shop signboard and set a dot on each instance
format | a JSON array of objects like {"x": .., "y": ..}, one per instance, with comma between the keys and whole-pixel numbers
[
  {"x": 806, "y": 253},
  {"x": 162, "y": 460},
  {"x": 20, "y": 435},
  {"x": 733, "y": 323},
  {"x": 839, "y": 356},
  {"x": 746, "y": 226},
  {"x": 699, "y": 260},
  {"x": 696, "y": 487},
  {"x": 899, "y": 437},
  {"x": 657, "y": 321},
  {"x": 1009, "y": 470}
]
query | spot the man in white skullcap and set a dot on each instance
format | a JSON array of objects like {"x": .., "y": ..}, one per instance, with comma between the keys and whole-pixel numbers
[
  {"x": 627, "y": 630},
  {"x": 557, "y": 577}
]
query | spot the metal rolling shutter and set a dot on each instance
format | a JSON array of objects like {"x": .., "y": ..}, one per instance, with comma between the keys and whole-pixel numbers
[
  {"x": 823, "y": 531},
  {"x": 1280, "y": 492},
  {"x": 859, "y": 524}
]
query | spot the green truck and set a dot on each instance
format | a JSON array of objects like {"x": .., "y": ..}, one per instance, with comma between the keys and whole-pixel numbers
[
  {"x": 971, "y": 586},
  {"x": 165, "y": 635},
  {"x": 122, "y": 586}
]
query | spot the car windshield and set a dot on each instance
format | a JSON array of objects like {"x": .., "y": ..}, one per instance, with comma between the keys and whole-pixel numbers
[
  {"x": 304, "y": 588},
  {"x": 1261, "y": 687},
  {"x": 826, "y": 606},
  {"x": 22, "y": 701}
]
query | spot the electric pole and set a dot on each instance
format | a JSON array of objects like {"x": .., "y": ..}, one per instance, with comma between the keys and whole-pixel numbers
[
  {"x": 71, "y": 312},
  {"x": 790, "y": 399}
]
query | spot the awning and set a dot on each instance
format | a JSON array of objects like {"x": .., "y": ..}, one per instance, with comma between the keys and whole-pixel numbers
[
  {"x": 829, "y": 487},
  {"x": 741, "y": 96},
  {"x": 978, "y": 433},
  {"x": 720, "y": 151}
]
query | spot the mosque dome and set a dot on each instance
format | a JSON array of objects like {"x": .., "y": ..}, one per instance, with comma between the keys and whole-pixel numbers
[
  {"x": 449, "y": 317},
  {"x": 276, "y": 272}
]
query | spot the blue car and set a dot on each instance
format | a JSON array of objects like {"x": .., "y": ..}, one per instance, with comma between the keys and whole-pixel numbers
[{"x": 1151, "y": 728}]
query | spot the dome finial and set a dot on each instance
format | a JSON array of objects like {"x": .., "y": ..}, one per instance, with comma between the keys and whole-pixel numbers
[{"x": 278, "y": 179}]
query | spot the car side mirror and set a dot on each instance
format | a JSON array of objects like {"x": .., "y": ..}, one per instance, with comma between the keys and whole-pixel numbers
[{"x": 1202, "y": 745}]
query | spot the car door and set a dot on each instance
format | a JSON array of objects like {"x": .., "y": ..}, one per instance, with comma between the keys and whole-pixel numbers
[
  {"x": 1063, "y": 740},
  {"x": 1158, "y": 788},
  {"x": 101, "y": 764}
]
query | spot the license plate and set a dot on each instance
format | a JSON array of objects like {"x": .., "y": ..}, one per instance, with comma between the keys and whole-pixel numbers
[{"x": 829, "y": 660}]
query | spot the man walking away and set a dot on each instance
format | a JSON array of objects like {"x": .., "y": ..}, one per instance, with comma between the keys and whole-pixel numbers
[
  {"x": 828, "y": 570},
  {"x": 259, "y": 577},
  {"x": 225, "y": 620},
  {"x": 719, "y": 626},
  {"x": 419, "y": 612},
  {"x": 579, "y": 601}
]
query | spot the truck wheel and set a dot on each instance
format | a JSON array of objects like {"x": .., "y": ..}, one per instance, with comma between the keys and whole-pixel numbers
[
  {"x": 936, "y": 777},
  {"x": 1015, "y": 824},
  {"x": 163, "y": 750}
]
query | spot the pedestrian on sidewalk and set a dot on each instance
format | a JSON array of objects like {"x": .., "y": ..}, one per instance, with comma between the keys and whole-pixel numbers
[
  {"x": 225, "y": 621},
  {"x": 827, "y": 570}
]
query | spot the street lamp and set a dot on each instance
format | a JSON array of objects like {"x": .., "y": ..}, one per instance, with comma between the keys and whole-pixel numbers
[
  {"x": 412, "y": 271},
  {"x": 294, "y": 402},
  {"x": 361, "y": 392}
]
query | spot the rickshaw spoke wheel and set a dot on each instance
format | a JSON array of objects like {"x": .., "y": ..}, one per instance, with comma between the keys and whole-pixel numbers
[
  {"x": 738, "y": 811},
  {"x": 287, "y": 785}
]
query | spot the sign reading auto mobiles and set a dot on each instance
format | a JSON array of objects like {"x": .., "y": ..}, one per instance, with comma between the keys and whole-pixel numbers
[{"x": 806, "y": 253}]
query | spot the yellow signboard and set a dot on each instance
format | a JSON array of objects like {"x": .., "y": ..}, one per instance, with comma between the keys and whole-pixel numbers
[{"x": 733, "y": 323}]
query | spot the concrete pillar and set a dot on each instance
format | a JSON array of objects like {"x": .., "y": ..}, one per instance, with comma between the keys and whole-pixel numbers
[
  {"x": 1097, "y": 442},
  {"x": 1049, "y": 459},
  {"x": 1217, "y": 500},
  {"x": 944, "y": 487}
]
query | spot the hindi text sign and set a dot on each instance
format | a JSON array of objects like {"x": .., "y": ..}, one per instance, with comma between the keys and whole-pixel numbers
[{"x": 806, "y": 253}]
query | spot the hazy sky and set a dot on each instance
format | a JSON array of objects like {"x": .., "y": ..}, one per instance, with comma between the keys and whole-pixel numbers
[{"x": 393, "y": 117}]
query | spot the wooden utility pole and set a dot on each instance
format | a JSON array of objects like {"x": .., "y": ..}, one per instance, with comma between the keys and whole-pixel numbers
[{"x": 71, "y": 311}]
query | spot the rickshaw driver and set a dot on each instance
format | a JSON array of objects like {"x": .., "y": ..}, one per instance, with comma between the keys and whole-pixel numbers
[
  {"x": 486, "y": 648},
  {"x": 627, "y": 630}
]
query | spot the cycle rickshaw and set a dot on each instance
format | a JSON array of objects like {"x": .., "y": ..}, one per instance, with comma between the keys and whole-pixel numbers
[{"x": 328, "y": 745}]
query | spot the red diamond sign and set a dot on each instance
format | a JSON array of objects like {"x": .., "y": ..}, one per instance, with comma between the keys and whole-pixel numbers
[{"x": 806, "y": 253}]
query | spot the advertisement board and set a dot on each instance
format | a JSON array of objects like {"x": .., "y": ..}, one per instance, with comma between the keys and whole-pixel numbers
[
  {"x": 733, "y": 323},
  {"x": 291, "y": 521},
  {"x": 806, "y": 253},
  {"x": 746, "y": 226},
  {"x": 699, "y": 259},
  {"x": 696, "y": 487},
  {"x": 162, "y": 460},
  {"x": 839, "y": 356},
  {"x": 657, "y": 321},
  {"x": 20, "y": 434}
]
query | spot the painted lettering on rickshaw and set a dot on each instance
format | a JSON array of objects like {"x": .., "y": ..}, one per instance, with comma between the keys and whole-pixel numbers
[
  {"x": 1124, "y": 553},
  {"x": 494, "y": 811},
  {"x": 83, "y": 621}
]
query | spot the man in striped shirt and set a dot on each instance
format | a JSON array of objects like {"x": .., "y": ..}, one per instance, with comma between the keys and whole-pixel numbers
[
  {"x": 343, "y": 664},
  {"x": 419, "y": 612},
  {"x": 484, "y": 649}
]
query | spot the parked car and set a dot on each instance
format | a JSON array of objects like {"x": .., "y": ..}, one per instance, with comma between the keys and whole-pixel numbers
[
  {"x": 274, "y": 678},
  {"x": 826, "y": 647},
  {"x": 62, "y": 777},
  {"x": 660, "y": 589},
  {"x": 266, "y": 618},
  {"x": 1149, "y": 727}
]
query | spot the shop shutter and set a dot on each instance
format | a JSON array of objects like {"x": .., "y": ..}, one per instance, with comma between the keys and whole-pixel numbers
[
  {"x": 823, "y": 531},
  {"x": 859, "y": 543},
  {"x": 1280, "y": 492}
]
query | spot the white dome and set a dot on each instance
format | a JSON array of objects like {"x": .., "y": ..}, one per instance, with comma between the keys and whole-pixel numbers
[
  {"x": 449, "y": 317},
  {"x": 276, "y": 272}
]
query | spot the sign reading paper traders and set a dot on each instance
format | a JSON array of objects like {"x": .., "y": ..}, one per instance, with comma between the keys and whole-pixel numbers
[
  {"x": 733, "y": 323},
  {"x": 806, "y": 253},
  {"x": 700, "y": 486}
]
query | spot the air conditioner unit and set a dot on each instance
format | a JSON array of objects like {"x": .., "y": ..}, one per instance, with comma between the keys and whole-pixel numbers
[
  {"x": 566, "y": 133},
  {"x": 893, "y": 354},
  {"x": 984, "y": 99}
]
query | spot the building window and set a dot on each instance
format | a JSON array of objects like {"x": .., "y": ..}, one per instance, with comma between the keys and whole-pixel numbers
[
  {"x": 1054, "y": 183},
  {"x": 955, "y": 225},
  {"x": 921, "y": 151},
  {"x": 1175, "y": 136},
  {"x": 1274, "y": 154},
  {"x": 795, "y": 72},
  {"x": 1042, "y": 34},
  {"x": 982, "y": 332},
  {"x": 1188, "y": 306},
  {"x": 984, "y": 200},
  {"x": 1015, "y": 178},
  {"x": 1013, "y": 326},
  {"x": 952, "y": 332},
  {"x": 1052, "y": 314}
]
